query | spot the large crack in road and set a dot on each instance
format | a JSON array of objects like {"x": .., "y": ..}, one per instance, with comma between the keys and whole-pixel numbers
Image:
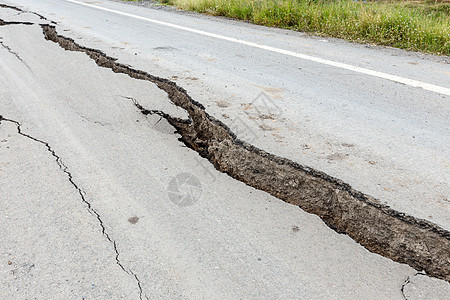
[{"x": 380, "y": 229}]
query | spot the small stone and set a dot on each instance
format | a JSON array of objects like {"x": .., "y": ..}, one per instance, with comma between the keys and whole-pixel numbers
[
  {"x": 223, "y": 103},
  {"x": 266, "y": 127},
  {"x": 133, "y": 220}
]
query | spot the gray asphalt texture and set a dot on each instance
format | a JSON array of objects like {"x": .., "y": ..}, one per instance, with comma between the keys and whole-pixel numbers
[{"x": 232, "y": 241}]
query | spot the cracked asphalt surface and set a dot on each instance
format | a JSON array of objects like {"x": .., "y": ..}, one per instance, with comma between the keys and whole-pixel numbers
[
  {"x": 88, "y": 154},
  {"x": 45, "y": 236}
]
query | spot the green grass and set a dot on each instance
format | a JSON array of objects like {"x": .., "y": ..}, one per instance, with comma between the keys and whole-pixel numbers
[{"x": 418, "y": 26}]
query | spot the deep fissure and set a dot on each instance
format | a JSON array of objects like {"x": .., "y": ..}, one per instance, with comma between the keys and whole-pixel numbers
[
  {"x": 400, "y": 237},
  {"x": 418, "y": 243},
  {"x": 91, "y": 210}
]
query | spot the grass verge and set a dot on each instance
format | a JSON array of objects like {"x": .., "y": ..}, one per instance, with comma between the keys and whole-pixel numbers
[{"x": 412, "y": 25}]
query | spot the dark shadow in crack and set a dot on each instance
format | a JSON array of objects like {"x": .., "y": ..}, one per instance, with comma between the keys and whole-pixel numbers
[{"x": 4, "y": 23}]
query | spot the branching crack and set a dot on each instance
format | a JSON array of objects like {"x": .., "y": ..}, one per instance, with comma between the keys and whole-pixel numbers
[
  {"x": 172, "y": 120},
  {"x": 408, "y": 281},
  {"x": 91, "y": 210}
]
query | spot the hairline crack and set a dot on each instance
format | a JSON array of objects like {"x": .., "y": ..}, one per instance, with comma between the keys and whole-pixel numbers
[{"x": 82, "y": 195}]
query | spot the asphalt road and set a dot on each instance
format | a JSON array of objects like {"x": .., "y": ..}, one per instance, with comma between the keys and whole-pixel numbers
[{"x": 90, "y": 191}]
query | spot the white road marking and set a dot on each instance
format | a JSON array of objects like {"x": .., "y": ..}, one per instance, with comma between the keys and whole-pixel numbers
[{"x": 395, "y": 78}]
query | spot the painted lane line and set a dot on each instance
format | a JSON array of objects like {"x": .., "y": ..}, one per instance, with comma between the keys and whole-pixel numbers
[{"x": 395, "y": 78}]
